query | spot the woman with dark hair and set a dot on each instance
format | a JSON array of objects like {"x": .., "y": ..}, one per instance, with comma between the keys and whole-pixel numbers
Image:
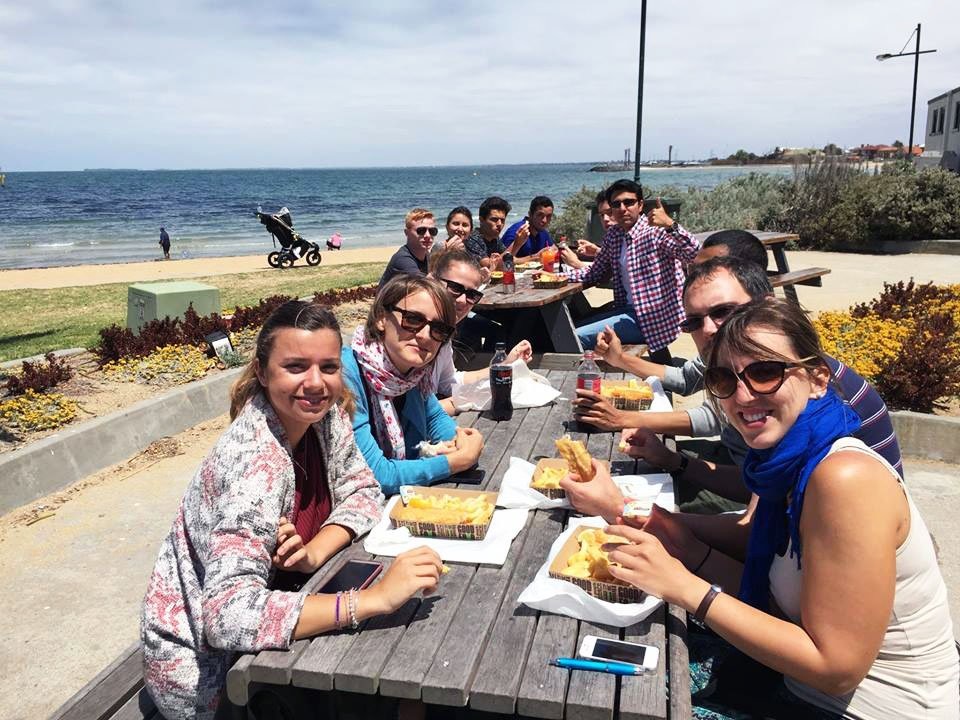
[
  {"x": 389, "y": 367},
  {"x": 839, "y": 589},
  {"x": 282, "y": 491},
  {"x": 459, "y": 226}
]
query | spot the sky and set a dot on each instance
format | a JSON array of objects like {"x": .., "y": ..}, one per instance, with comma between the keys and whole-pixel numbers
[{"x": 294, "y": 83}]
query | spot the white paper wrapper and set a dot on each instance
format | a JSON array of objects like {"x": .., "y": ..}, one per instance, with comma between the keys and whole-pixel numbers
[
  {"x": 530, "y": 389},
  {"x": 492, "y": 550},
  {"x": 657, "y": 487},
  {"x": 661, "y": 403},
  {"x": 565, "y": 598}
]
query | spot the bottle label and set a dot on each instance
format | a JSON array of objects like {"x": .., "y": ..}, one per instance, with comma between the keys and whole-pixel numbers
[
  {"x": 501, "y": 375},
  {"x": 588, "y": 382}
]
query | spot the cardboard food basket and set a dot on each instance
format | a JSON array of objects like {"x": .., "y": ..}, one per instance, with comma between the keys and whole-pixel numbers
[
  {"x": 621, "y": 403},
  {"x": 549, "y": 284},
  {"x": 496, "y": 277},
  {"x": 439, "y": 530},
  {"x": 608, "y": 591},
  {"x": 543, "y": 464}
]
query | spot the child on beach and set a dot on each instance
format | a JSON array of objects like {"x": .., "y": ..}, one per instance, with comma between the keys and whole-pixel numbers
[
  {"x": 389, "y": 367},
  {"x": 283, "y": 490}
]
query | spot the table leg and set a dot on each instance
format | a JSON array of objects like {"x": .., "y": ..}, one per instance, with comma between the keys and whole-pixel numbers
[
  {"x": 780, "y": 258},
  {"x": 559, "y": 324}
]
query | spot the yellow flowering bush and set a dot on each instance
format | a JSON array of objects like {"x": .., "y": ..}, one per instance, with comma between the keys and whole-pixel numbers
[
  {"x": 37, "y": 411},
  {"x": 168, "y": 365},
  {"x": 865, "y": 344}
]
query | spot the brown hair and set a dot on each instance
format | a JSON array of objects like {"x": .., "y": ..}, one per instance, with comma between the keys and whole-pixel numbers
[
  {"x": 400, "y": 287},
  {"x": 775, "y": 314},
  {"x": 298, "y": 314},
  {"x": 416, "y": 215},
  {"x": 441, "y": 261}
]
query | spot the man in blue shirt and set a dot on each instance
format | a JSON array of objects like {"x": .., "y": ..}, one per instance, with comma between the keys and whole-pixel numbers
[{"x": 528, "y": 237}]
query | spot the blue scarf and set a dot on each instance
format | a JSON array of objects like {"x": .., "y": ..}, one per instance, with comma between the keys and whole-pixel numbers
[{"x": 773, "y": 474}]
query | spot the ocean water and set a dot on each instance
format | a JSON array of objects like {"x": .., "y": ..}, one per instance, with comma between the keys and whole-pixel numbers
[{"x": 104, "y": 216}]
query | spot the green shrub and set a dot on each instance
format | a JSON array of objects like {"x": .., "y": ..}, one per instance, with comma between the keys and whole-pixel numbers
[{"x": 571, "y": 219}]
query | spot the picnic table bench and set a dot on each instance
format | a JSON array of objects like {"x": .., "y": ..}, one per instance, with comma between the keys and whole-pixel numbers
[{"x": 472, "y": 646}]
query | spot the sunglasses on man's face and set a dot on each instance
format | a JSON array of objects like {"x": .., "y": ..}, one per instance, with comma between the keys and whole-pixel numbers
[
  {"x": 626, "y": 202},
  {"x": 718, "y": 313},
  {"x": 423, "y": 230},
  {"x": 457, "y": 289},
  {"x": 763, "y": 377},
  {"x": 414, "y": 322}
]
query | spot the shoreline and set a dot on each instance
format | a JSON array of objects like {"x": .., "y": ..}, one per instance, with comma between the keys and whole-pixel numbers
[{"x": 60, "y": 276}]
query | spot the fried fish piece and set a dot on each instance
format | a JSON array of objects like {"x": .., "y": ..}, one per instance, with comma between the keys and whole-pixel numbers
[{"x": 577, "y": 457}]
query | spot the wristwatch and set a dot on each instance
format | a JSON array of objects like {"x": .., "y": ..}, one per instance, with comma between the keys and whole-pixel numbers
[
  {"x": 701, "y": 613},
  {"x": 681, "y": 468},
  {"x": 674, "y": 227}
]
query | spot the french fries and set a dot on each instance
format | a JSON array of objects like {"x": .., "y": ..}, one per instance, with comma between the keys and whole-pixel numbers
[
  {"x": 550, "y": 478},
  {"x": 591, "y": 561},
  {"x": 577, "y": 457},
  {"x": 445, "y": 510}
]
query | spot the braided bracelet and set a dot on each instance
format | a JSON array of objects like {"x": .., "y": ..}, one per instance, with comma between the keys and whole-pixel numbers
[{"x": 352, "y": 607}]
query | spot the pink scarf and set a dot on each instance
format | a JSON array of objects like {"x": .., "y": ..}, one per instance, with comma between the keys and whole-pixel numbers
[{"x": 385, "y": 383}]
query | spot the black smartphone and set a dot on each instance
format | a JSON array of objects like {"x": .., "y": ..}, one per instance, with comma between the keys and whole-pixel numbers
[
  {"x": 356, "y": 574},
  {"x": 470, "y": 476}
]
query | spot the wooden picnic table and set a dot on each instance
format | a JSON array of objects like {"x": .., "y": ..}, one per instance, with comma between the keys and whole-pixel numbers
[
  {"x": 539, "y": 315},
  {"x": 471, "y": 645}
]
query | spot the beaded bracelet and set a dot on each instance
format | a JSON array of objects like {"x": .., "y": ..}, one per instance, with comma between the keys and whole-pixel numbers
[
  {"x": 336, "y": 612},
  {"x": 352, "y": 608}
]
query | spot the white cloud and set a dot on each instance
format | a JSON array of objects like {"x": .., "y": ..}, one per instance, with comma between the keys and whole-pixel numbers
[{"x": 231, "y": 84}]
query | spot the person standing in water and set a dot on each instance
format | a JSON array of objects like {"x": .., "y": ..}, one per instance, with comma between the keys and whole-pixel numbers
[{"x": 165, "y": 243}]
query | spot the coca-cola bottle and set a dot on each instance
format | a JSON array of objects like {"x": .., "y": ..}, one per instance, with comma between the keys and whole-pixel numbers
[
  {"x": 501, "y": 385},
  {"x": 509, "y": 278},
  {"x": 588, "y": 378}
]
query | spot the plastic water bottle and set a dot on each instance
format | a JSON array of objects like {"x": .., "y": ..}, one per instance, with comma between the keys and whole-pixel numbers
[
  {"x": 501, "y": 385},
  {"x": 588, "y": 378},
  {"x": 509, "y": 278}
]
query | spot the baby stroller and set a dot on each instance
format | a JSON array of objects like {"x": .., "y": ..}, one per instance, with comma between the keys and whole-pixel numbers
[{"x": 292, "y": 244}]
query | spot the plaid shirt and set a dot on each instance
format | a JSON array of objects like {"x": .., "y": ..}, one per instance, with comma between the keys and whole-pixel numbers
[
  {"x": 476, "y": 245},
  {"x": 655, "y": 266}
]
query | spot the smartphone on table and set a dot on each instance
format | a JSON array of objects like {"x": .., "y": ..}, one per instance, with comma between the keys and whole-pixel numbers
[
  {"x": 609, "y": 650},
  {"x": 356, "y": 574}
]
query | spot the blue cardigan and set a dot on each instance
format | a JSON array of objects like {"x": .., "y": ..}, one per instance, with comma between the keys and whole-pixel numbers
[{"x": 421, "y": 419}]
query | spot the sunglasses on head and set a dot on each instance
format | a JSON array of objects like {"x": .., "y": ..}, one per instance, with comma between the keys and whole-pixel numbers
[
  {"x": 457, "y": 289},
  {"x": 414, "y": 322},
  {"x": 763, "y": 377},
  {"x": 423, "y": 230},
  {"x": 718, "y": 313},
  {"x": 626, "y": 202}
]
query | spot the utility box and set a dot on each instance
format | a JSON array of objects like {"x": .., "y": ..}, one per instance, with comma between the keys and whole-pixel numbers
[{"x": 155, "y": 301}]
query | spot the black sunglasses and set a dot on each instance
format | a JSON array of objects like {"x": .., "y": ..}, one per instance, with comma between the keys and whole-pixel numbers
[
  {"x": 626, "y": 202},
  {"x": 414, "y": 322},
  {"x": 763, "y": 377},
  {"x": 718, "y": 313},
  {"x": 457, "y": 289},
  {"x": 421, "y": 231}
]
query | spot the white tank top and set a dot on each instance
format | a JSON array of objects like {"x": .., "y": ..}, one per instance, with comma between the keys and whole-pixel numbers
[{"x": 916, "y": 672}]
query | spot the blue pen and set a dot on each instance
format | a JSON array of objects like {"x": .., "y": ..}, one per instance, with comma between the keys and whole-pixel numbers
[{"x": 614, "y": 668}]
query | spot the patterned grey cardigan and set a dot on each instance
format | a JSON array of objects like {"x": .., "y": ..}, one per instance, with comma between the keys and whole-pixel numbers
[{"x": 208, "y": 596}]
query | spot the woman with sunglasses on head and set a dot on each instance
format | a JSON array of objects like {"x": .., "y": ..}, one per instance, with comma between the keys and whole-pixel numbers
[
  {"x": 460, "y": 272},
  {"x": 283, "y": 490},
  {"x": 839, "y": 589},
  {"x": 389, "y": 367}
]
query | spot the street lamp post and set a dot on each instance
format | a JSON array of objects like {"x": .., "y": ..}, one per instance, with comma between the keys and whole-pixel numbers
[
  {"x": 916, "y": 66},
  {"x": 643, "y": 39}
]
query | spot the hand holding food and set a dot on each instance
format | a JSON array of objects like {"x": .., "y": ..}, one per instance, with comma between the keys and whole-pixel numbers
[
  {"x": 600, "y": 496},
  {"x": 644, "y": 444},
  {"x": 577, "y": 457},
  {"x": 644, "y": 563}
]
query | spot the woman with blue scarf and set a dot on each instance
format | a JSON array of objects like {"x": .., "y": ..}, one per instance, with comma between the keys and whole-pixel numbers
[{"x": 836, "y": 587}]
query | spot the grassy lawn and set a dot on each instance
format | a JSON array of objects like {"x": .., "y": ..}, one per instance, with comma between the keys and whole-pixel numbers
[{"x": 37, "y": 321}]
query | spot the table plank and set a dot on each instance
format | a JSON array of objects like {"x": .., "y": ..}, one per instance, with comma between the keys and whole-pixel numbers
[
  {"x": 591, "y": 695},
  {"x": 644, "y": 697},
  {"x": 501, "y": 668},
  {"x": 525, "y": 297},
  {"x": 403, "y": 674},
  {"x": 543, "y": 690},
  {"x": 455, "y": 663},
  {"x": 679, "y": 668}
]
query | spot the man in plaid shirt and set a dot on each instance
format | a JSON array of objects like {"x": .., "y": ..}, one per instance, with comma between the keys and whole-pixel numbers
[{"x": 646, "y": 254}]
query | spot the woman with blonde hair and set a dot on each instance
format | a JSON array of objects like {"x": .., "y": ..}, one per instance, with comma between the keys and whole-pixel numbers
[
  {"x": 389, "y": 368},
  {"x": 282, "y": 491}
]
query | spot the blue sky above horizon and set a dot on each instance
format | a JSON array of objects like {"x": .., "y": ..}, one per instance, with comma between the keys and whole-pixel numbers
[{"x": 423, "y": 82}]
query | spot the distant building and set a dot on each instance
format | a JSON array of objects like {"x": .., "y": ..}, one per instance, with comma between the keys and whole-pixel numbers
[
  {"x": 882, "y": 152},
  {"x": 943, "y": 132}
]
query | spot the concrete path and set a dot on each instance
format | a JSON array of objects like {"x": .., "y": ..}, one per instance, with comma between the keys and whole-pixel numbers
[{"x": 73, "y": 582}]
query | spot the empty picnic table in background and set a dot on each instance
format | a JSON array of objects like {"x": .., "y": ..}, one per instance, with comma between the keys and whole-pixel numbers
[
  {"x": 784, "y": 277},
  {"x": 541, "y": 315},
  {"x": 471, "y": 645}
]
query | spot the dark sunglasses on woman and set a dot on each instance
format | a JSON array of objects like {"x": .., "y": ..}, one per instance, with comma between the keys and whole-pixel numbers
[
  {"x": 422, "y": 230},
  {"x": 763, "y": 377},
  {"x": 457, "y": 289},
  {"x": 414, "y": 322},
  {"x": 718, "y": 313}
]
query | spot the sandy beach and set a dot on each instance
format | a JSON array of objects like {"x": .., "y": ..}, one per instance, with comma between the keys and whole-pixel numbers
[{"x": 73, "y": 275}]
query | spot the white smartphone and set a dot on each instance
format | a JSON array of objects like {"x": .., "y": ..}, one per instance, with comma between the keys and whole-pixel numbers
[{"x": 605, "y": 649}]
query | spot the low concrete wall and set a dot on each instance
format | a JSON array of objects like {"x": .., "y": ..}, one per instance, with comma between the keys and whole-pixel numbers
[
  {"x": 928, "y": 436},
  {"x": 72, "y": 454}
]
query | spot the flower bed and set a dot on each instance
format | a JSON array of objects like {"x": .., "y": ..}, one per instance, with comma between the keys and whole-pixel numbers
[{"x": 33, "y": 411}]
